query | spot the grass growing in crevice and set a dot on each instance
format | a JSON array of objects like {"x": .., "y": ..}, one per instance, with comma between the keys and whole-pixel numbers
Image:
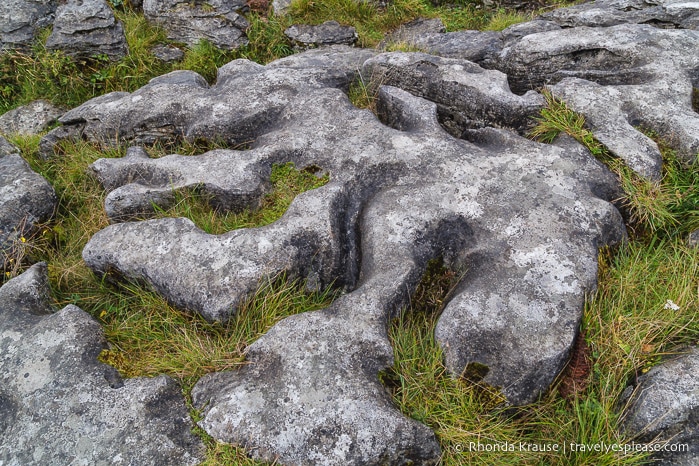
[
  {"x": 51, "y": 75},
  {"x": 629, "y": 327},
  {"x": 363, "y": 94},
  {"x": 287, "y": 182},
  {"x": 668, "y": 208},
  {"x": 146, "y": 335}
]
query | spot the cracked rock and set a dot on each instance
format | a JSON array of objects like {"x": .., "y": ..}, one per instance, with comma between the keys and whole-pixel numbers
[
  {"x": 666, "y": 14},
  {"x": 168, "y": 53},
  {"x": 524, "y": 219},
  {"x": 26, "y": 199},
  {"x": 430, "y": 36},
  {"x": 620, "y": 78},
  {"x": 468, "y": 97},
  {"x": 328, "y": 33},
  {"x": 62, "y": 406},
  {"x": 664, "y": 406},
  {"x": 21, "y": 19},
  {"x": 32, "y": 118},
  {"x": 86, "y": 28},
  {"x": 218, "y": 21}
]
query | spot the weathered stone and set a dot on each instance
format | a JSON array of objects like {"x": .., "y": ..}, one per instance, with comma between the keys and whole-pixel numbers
[
  {"x": 664, "y": 406},
  {"x": 328, "y": 33},
  {"x": 26, "y": 199},
  {"x": 280, "y": 7},
  {"x": 620, "y": 78},
  {"x": 32, "y": 118},
  {"x": 693, "y": 240},
  {"x": 85, "y": 28},
  {"x": 310, "y": 394},
  {"x": 218, "y": 21},
  {"x": 658, "y": 13},
  {"x": 468, "y": 97},
  {"x": 410, "y": 32},
  {"x": 521, "y": 215},
  {"x": 135, "y": 181},
  {"x": 429, "y": 36},
  {"x": 20, "y": 19},
  {"x": 62, "y": 406},
  {"x": 167, "y": 53},
  {"x": 195, "y": 111},
  {"x": 517, "y": 31}
]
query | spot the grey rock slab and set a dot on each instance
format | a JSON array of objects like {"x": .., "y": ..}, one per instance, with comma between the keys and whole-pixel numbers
[
  {"x": 32, "y": 118},
  {"x": 515, "y": 197},
  {"x": 664, "y": 406},
  {"x": 218, "y": 21},
  {"x": 280, "y": 7},
  {"x": 430, "y": 36},
  {"x": 524, "y": 220},
  {"x": 328, "y": 33},
  {"x": 85, "y": 28},
  {"x": 620, "y": 78},
  {"x": 517, "y": 31},
  {"x": 310, "y": 396},
  {"x": 182, "y": 105},
  {"x": 168, "y": 53},
  {"x": 666, "y": 14},
  {"x": 62, "y": 406},
  {"x": 135, "y": 180},
  {"x": 26, "y": 199},
  {"x": 21, "y": 19},
  {"x": 468, "y": 96},
  {"x": 693, "y": 239},
  {"x": 409, "y": 32}
]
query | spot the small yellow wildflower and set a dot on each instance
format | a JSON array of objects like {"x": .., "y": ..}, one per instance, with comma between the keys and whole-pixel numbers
[{"x": 23, "y": 239}]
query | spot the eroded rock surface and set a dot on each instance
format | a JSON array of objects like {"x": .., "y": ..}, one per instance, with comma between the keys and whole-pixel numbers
[
  {"x": 26, "y": 199},
  {"x": 468, "y": 97},
  {"x": 667, "y": 14},
  {"x": 524, "y": 219},
  {"x": 218, "y": 21},
  {"x": 86, "y": 28},
  {"x": 32, "y": 118},
  {"x": 620, "y": 78},
  {"x": 20, "y": 19},
  {"x": 61, "y": 406},
  {"x": 665, "y": 407},
  {"x": 328, "y": 33}
]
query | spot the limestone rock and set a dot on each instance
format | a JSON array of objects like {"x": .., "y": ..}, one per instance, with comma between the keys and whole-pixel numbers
[
  {"x": 62, "y": 406},
  {"x": 168, "y": 53},
  {"x": 467, "y": 203},
  {"x": 218, "y": 21},
  {"x": 667, "y": 14},
  {"x": 26, "y": 199},
  {"x": 693, "y": 239},
  {"x": 328, "y": 33},
  {"x": 468, "y": 97},
  {"x": 310, "y": 395},
  {"x": 517, "y": 31},
  {"x": 32, "y": 118},
  {"x": 665, "y": 407},
  {"x": 429, "y": 36},
  {"x": 85, "y": 28},
  {"x": 620, "y": 78},
  {"x": 20, "y": 19},
  {"x": 195, "y": 111}
]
